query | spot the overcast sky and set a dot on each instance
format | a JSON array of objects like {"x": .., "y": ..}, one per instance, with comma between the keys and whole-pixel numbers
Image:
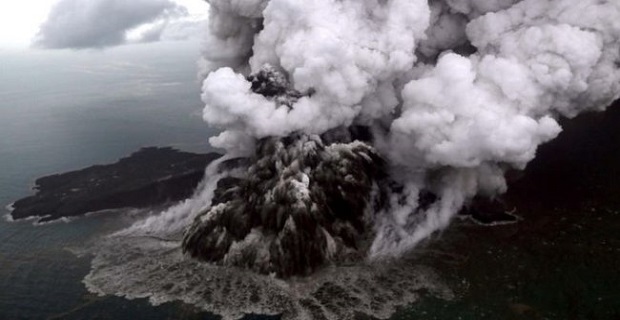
[{"x": 80, "y": 24}]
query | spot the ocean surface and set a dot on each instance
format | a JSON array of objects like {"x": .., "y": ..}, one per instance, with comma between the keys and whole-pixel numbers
[{"x": 62, "y": 111}]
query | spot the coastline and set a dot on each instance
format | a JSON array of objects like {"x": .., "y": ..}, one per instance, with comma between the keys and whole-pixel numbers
[{"x": 147, "y": 177}]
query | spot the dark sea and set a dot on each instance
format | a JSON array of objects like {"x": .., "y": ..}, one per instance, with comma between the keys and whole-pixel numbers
[{"x": 64, "y": 110}]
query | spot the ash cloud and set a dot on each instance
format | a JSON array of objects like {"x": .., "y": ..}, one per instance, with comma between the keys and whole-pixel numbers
[
  {"x": 81, "y": 24},
  {"x": 454, "y": 92}
]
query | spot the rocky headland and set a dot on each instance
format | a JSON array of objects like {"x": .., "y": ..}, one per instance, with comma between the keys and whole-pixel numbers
[{"x": 148, "y": 177}]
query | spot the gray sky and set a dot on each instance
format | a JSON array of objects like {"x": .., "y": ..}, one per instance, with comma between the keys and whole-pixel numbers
[{"x": 96, "y": 23}]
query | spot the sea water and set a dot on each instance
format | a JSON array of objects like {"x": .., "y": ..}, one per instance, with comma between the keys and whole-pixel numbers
[{"x": 65, "y": 110}]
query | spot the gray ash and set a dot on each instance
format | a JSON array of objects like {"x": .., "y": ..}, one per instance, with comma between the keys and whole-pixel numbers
[
  {"x": 273, "y": 84},
  {"x": 300, "y": 204}
]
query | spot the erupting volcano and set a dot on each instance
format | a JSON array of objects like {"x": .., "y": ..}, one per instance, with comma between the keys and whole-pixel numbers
[
  {"x": 448, "y": 95},
  {"x": 354, "y": 129}
]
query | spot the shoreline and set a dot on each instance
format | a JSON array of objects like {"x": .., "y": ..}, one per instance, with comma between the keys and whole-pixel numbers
[{"x": 147, "y": 177}]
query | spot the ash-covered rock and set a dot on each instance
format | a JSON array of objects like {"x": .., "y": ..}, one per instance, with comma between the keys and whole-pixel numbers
[{"x": 300, "y": 204}]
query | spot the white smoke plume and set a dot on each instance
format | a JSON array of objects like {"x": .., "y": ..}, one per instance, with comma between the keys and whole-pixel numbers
[{"x": 456, "y": 92}]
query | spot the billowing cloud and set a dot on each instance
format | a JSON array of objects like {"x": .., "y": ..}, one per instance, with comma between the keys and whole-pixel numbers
[
  {"x": 79, "y": 24},
  {"x": 454, "y": 91}
]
